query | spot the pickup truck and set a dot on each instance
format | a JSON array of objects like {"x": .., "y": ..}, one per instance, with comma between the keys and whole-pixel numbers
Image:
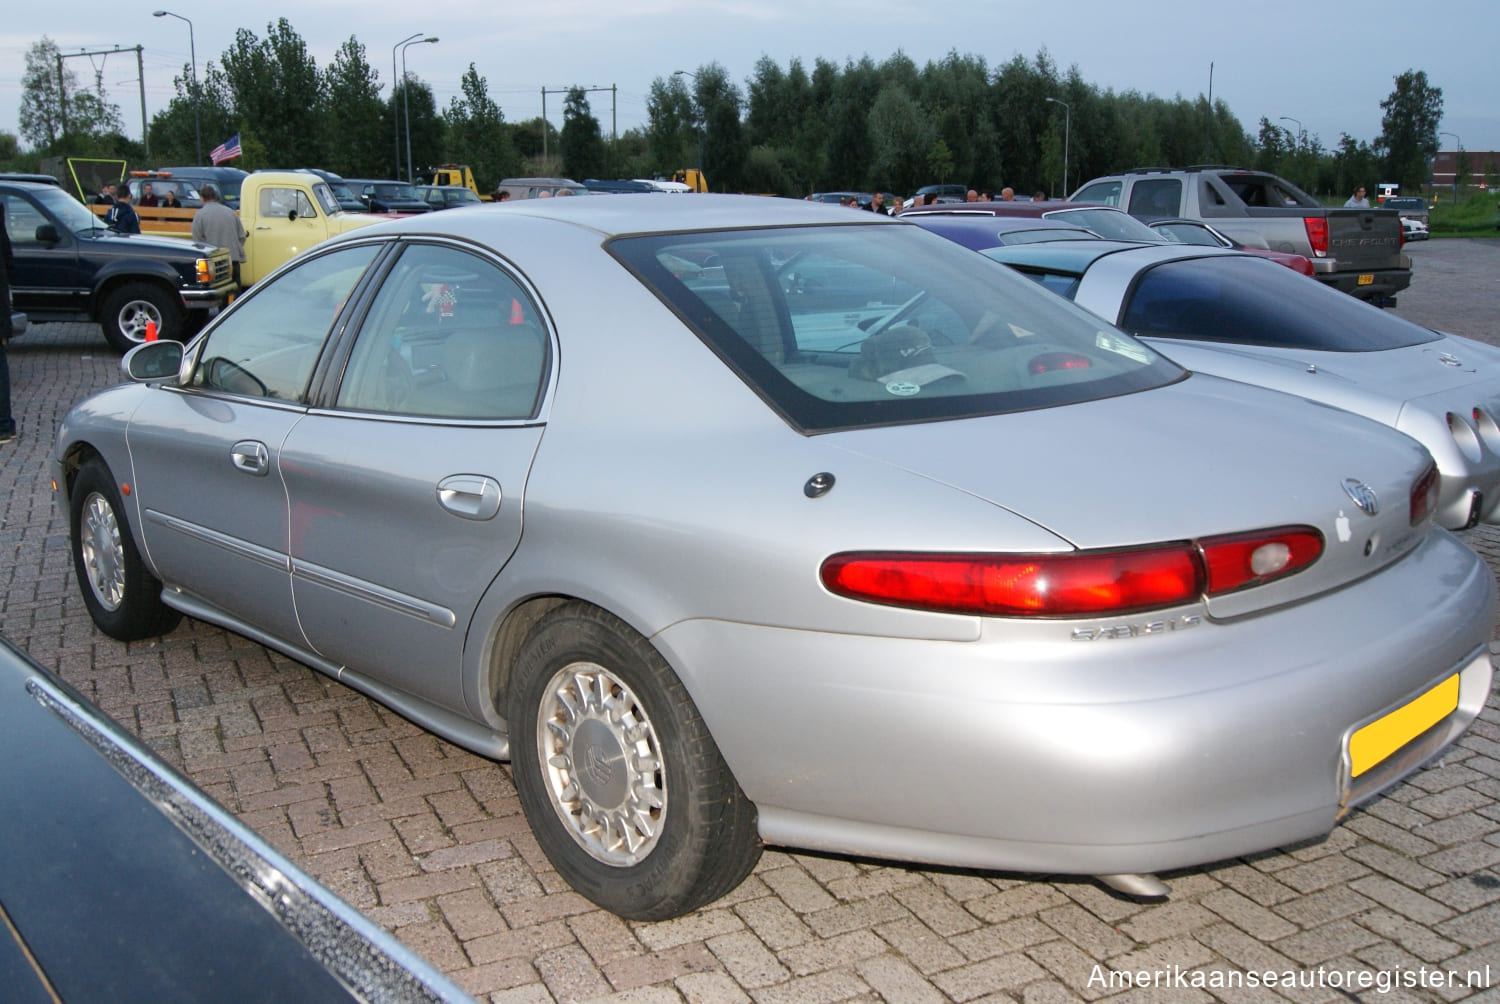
[
  {"x": 1357, "y": 251},
  {"x": 67, "y": 266},
  {"x": 283, "y": 213}
]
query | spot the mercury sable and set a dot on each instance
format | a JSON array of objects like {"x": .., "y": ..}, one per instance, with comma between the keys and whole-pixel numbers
[{"x": 651, "y": 498}]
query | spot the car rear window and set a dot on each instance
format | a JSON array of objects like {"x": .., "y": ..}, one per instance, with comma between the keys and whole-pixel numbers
[
  {"x": 1250, "y": 301},
  {"x": 854, "y": 325}
]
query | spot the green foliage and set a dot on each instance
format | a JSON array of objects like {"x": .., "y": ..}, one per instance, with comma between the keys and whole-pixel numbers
[
  {"x": 277, "y": 92},
  {"x": 360, "y": 140},
  {"x": 1409, "y": 128},
  {"x": 54, "y": 111},
  {"x": 583, "y": 154},
  {"x": 1476, "y": 216},
  {"x": 477, "y": 135}
]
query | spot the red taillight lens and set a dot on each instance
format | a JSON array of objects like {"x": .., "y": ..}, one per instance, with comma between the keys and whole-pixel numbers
[
  {"x": 1049, "y": 361},
  {"x": 1038, "y": 585},
  {"x": 1317, "y": 233},
  {"x": 1424, "y": 495},
  {"x": 1241, "y": 560},
  {"x": 1076, "y": 583}
]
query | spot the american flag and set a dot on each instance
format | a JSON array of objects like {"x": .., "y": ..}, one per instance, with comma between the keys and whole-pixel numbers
[{"x": 227, "y": 150}]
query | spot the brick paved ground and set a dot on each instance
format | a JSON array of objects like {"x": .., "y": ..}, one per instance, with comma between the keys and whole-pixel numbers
[{"x": 428, "y": 840}]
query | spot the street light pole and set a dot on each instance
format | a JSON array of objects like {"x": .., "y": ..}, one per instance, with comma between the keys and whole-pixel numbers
[
  {"x": 690, "y": 73},
  {"x": 1067, "y": 133},
  {"x": 396, "y": 122},
  {"x": 406, "y": 102},
  {"x": 1456, "y": 158},
  {"x": 193, "y": 51},
  {"x": 1301, "y": 133}
]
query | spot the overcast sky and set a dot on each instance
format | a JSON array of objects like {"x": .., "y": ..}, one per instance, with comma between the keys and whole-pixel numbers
[{"x": 1327, "y": 63}]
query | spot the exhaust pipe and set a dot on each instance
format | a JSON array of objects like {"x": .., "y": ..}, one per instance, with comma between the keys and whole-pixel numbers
[{"x": 1139, "y": 886}]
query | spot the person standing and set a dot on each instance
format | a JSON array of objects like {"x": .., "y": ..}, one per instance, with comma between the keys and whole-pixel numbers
[
  {"x": 220, "y": 226},
  {"x": 106, "y": 196},
  {"x": 7, "y": 420},
  {"x": 1358, "y": 200},
  {"x": 122, "y": 217}
]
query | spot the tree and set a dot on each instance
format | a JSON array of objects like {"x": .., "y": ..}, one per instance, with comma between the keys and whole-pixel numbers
[
  {"x": 358, "y": 130},
  {"x": 412, "y": 105},
  {"x": 277, "y": 93},
  {"x": 901, "y": 135},
  {"x": 1409, "y": 128},
  {"x": 174, "y": 138},
  {"x": 47, "y": 113},
  {"x": 717, "y": 103},
  {"x": 583, "y": 153},
  {"x": 671, "y": 131},
  {"x": 477, "y": 134}
]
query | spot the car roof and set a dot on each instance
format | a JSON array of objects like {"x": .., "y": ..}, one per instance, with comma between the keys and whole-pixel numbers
[
  {"x": 979, "y": 231},
  {"x": 641, "y": 213},
  {"x": 1031, "y": 209},
  {"x": 1077, "y": 257}
]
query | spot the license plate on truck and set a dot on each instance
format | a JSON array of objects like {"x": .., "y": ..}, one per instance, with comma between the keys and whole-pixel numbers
[{"x": 1367, "y": 279}]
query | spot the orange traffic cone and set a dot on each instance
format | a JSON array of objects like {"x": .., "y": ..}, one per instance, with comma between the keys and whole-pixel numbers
[{"x": 150, "y": 330}]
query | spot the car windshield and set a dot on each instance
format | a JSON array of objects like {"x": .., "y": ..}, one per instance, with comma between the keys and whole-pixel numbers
[
  {"x": 73, "y": 214},
  {"x": 462, "y": 195},
  {"x": 1251, "y": 301},
  {"x": 845, "y": 326},
  {"x": 1108, "y": 223},
  {"x": 324, "y": 194},
  {"x": 393, "y": 191}
]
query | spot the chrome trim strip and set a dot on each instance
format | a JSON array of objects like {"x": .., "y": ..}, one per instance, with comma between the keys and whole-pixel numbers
[
  {"x": 234, "y": 545},
  {"x": 371, "y": 593}
]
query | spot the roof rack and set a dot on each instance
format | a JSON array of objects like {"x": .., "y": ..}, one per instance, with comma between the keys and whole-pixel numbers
[{"x": 1190, "y": 167}]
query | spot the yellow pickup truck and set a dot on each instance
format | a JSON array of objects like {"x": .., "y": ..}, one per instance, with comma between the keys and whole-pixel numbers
[{"x": 283, "y": 213}]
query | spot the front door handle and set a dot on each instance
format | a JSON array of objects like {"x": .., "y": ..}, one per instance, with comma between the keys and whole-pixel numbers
[
  {"x": 250, "y": 457},
  {"x": 472, "y": 496}
]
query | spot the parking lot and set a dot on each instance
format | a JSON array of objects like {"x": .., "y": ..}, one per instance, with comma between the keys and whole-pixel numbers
[{"x": 1400, "y": 903}]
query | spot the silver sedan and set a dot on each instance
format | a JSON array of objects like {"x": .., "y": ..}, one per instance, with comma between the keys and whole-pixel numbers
[
  {"x": 1222, "y": 312},
  {"x": 732, "y": 521}
]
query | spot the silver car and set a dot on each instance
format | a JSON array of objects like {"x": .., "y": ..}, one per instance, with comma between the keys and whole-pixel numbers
[
  {"x": 657, "y": 500},
  {"x": 1225, "y": 313}
]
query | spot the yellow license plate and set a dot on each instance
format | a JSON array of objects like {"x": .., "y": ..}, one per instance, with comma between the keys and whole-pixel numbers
[
  {"x": 1367, "y": 279},
  {"x": 1384, "y": 736}
]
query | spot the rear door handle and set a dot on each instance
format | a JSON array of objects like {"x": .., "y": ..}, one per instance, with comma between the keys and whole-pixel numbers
[
  {"x": 472, "y": 496},
  {"x": 250, "y": 457}
]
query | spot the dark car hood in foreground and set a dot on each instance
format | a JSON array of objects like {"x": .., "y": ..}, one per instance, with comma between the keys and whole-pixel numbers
[{"x": 122, "y": 882}]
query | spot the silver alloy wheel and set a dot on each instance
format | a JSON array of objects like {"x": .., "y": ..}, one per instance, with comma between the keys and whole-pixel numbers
[
  {"x": 602, "y": 762},
  {"x": 133, "y": 317},
  {"x": 103, "y": 553}
]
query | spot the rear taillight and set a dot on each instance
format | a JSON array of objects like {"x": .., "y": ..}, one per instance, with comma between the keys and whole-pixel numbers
[
  {"x": 1317, "y": 233},
  {"x": 1424, "y": 495},
  {"x": 1241, "y": 560},
  {"x": 1076, "y": 583},
  {"x": 1048, "y": 361}
]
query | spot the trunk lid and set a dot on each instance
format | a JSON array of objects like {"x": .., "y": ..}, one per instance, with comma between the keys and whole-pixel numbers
[{"x": 1200, "y": 458}]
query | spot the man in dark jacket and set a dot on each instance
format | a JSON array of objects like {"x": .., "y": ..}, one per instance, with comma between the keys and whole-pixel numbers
[
  {"x": 122, "y": 217},
  {"x": 7, "y": 420}
]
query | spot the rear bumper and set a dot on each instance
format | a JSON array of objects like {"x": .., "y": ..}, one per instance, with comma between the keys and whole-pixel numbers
[
  {"x": 1369, "y": 285},
  {"x": 1028, "y": 751}
]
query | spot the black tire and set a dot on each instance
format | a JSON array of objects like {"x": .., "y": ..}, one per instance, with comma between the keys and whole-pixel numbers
[
  {"x": 125, "y": 311},
  {"x": 122, "y": 596},
  {"x": 667, "y": 787}
]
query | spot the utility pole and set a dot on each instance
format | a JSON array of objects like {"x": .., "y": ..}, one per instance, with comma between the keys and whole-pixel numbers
[{"x": 62, "y": 101}]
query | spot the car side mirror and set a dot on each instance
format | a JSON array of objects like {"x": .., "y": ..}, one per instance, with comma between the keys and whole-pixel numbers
[
  {"x": 150, "y": 361},
  {"x": 47, "y": 234}
]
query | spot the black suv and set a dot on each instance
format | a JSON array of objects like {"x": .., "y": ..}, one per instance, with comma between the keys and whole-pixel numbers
[{"x": 68, "y": 266}]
